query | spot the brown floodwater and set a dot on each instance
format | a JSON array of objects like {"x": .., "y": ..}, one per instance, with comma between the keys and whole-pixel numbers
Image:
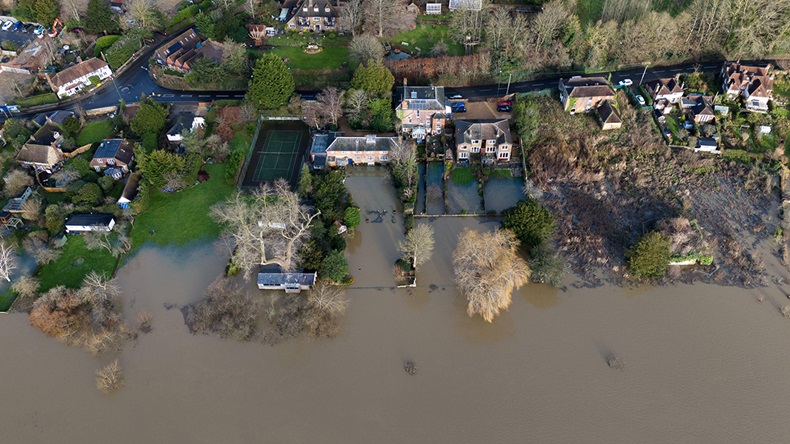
[{"x": 702, "y": 363}]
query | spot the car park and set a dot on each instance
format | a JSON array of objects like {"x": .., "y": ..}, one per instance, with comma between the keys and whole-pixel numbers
[
  {"x": 6, "y": 26},
  {"x": 626, "y": 82}
]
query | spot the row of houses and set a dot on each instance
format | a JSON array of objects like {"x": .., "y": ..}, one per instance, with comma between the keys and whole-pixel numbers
[{"x": 183, "y": 51}]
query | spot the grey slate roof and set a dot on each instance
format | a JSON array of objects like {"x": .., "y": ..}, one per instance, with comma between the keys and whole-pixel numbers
[
  {"x": 422, "y": 97},
  {"x": 367, "y": 143},
  {"x": 322, "y": 140},
  {"x": 117, "y": 149},
  {"x": 270, "y": 278},
  {"x": 89, "y": 219},
  {"x": 468, "y": 130},
  {"x": 588, "y": 87}
]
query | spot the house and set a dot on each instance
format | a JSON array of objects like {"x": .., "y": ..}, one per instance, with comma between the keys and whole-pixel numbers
[
  {"x": 465, "y": 5},
  {"x": 423, "y": 110},
  {"x": 490, "y": 137},
  {"x": 30, "y": 60},
  {"x": 412, "y": 9},
  {"x": 71, "y": 80},
  {"x": 369, "y": 150},
  {"x": 313, "y": 15},
  {"x": 290, "y": 282},
  {"x": 433, "y": 8},
  {"x": 49, "y": 134},
  {"x": 40, "y": 158},
  {"x": 115, "y": 153},
  {"x": 318, "y": 148},
  {"x": 83, "y": 222},
  {"x": 666, "y": 89},
  {"x": 184, "y": 122},
  {"x": 707, "y": 144},
  {"x": 181, "y": 52},
  {"x": 130, "y": 190},
  {"x": 609, "y": 117},
  {"x": 56, "y": 118},
  {"x": 582, "y": 94},
  {"x": 699, "y": 106},
  {"x": 753, "y": 83}
]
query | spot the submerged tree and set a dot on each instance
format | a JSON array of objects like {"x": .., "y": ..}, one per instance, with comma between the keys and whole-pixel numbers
[
  {"x": 487, "y": 269},
  {"x": 268, "y": 227},
  {"x": 418, "y": 246},
  {"x": 7, "y": 261}
]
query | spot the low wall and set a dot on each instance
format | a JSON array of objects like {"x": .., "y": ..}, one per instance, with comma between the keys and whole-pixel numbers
[
  {"x": 78, "y": 151},
  {"x": 101, "y": 111}
]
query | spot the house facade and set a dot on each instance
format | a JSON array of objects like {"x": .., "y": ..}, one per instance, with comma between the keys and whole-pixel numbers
[
  {"x": 113, "y": 153},
  {"x": 489, "y": 138},
  {"x": 753, "y": 83},
  {"x": 72, "y": 80},
  {"x": 85, "y": 222},
  {"x": 583, "y": 94},
  {"x": 312, "y": 15},
  {"x": 423, "y": 110}
]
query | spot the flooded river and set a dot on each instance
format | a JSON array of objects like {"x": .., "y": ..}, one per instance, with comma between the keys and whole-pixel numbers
[{"x": 702, "y": 364}]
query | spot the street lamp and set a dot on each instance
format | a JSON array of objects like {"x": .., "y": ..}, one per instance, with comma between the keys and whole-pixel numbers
[{"x": 643, "y": 73}]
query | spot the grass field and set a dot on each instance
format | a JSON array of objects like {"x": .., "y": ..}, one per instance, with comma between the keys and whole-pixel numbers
[
  {"x": 75, "y": 262},
  {"x": 425, "y": 37},
  {"x": 179, "y": 218},
  {"x": 462, "y": 175},
  {"x": 94, "y": 132},
  {"x": 332, "y": 57}
]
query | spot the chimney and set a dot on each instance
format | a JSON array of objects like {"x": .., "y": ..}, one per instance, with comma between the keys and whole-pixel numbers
[{"x": 405, "y": 81}]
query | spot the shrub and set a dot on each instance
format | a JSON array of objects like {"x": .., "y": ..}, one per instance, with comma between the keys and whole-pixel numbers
[
  {"x": 121, "y": 51},
  {"x": 530, "y": 221},
  {"x": 649, "y": 258},
  {"x": 335, "y": 266},
  {"x": 351, "y": 217},
  {"x": 104, "y": 42},
  {"x": 547, "y": 267},
  {"x": 184, "y": 14},
  {"x": 40, "y": 99}
]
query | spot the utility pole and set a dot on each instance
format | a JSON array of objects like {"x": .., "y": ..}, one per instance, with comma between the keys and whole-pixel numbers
[
  {"x": 643, "y": 74},
  {"x": 498, "y": 82},
  {"x": 509, "y": 78}
]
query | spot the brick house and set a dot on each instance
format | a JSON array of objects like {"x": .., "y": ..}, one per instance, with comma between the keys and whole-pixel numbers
[
  {"x": 753, "y": 83},
  {"x": 423, "y": 110},
  {"x": 699, "y": 106},
  {"x": 313, "y": 15},
  {"x": 490, "y": 138},
  {"x": 336, "y": 150},
  {"x": 71, "y": 80},
  {"x": 609, "y": 117},
  {"x": 116, "y": 153},
  {"x": 583, "y": 94},
  {"x": 180, "y": 53},
  {"x": 666, "y": 93}
]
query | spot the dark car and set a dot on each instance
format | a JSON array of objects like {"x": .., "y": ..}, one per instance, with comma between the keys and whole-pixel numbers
[
  {"x": 504, "y": 108},
  {"x": 459, "y": 107},
  {"x": 506, "y": 102},
  {"x": 17, "y": 25},
  {"x": 77, "y": 30}
]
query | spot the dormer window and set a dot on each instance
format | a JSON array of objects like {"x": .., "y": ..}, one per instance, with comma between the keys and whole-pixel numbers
[
  {"x": 315, "y": 8},
  {"x": 326, "y": 8}
]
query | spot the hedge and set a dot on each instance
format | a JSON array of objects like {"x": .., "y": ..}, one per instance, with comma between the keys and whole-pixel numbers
[
  {"x": 41, "y": 99},
  {"x": 184, "y": 14},
  {"x": 122, "y": 51},
  {"x": 103, "y": 43}
]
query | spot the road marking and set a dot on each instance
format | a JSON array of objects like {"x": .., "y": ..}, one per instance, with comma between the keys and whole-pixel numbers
[
  {"x": 186, "y": 95},
  {"x": 676, "y": 70},
  {"x": 710, "y": 67},
  {"x": 487, "y": 89},
  {"x": 539, "y": 84},
  {"x": 223, "y": 95},
  {"x": 239, "y": 95},
  {"x": 167, "y": 95},
  {"x": 204, "y": 95}
]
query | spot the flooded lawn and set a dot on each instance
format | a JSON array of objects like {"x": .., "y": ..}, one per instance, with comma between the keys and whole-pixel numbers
[
  {"x": 435, "y": 188},
  {"x": 463, "y": 198},
  {"x": 502, "y": 193},
  {"x": 420, "y": 205},
  {"x": 702, "y": 363}
]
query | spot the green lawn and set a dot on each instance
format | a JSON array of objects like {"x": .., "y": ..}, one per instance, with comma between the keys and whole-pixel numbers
[
  {"x": 6, "y": 299},
  {"x": 425, "y": 37},
  {"x": 462, "y": 175},
  {"x": 95, "y": 132},
  {"x": 179, "y": 218},
  {"x": 332, "y": 57},
  {"x": 673, "y": 125},
  {"x": 75, "y": 262},
  {"x": 40, "y": 99}
]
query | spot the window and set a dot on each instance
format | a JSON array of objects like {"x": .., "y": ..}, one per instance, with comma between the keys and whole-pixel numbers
[
  {"x": 370, "y": 158},
  {"x": 383, "y": 158},
  {"x": 504, "y": 148},
  {"x": 492, "y": 142},
  {"x": 504, "y": 155},
  {"x": 475, "y": 142},
  {"x": 490, "y": 149},
  {"x": 315, "y": 19},
  {"x": 475, "y": 149},
  {"x": 463, "y": 155}
]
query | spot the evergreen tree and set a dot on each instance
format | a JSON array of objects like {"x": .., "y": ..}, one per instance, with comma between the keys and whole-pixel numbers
[
  {"x": 272, "y": 84},
  {"x": 46, "y": 11},
  {"x": 149, "y": 120},
  {"x": 374, "y": 78},
  {"x": 100, "y": 18}
]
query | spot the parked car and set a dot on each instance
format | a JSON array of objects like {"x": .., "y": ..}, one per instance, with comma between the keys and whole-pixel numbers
[
  {"x": 640, "y": 100},
  {"x": 456, "y": 96},
  {"x": 506, "y": 102},
  {"x": 459, "y": 107},
  {"x": 688, "y": 124},
  {"x": 27, "y": 27},
  {"x": 504, "y": 108},
  {"x": 626, "y": 82},
  {"x": 17, "y": 25},
  {"x": 6, "y": 26},
  {"x": 39, "y": 31}
]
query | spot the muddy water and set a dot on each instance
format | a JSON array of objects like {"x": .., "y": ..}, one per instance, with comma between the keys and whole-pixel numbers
[{"x": 703, "y": 364}]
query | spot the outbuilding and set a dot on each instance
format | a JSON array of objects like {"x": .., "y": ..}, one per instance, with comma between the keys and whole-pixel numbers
[{"x": 84, "y": 222}]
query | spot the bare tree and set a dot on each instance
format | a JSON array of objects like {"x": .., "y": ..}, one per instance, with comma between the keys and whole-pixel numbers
[
  {"x": 366, "y": 48},
  {"x": 142, "y": 15},
  {"x": 329, "y": 298},
  {"x": 403, "y": 160},
  {"x": 356, "y": 102},
  {"x": 386, "y": 16},
  {"x": 268, "y": 227},
  {"x": 26, "y": 286},
  {"x": 227, "y": 310},
  {"x": 252, "y": 6},
  {"x": 40, "y": 250},
  {"x": 351, "y": 16},
  {"x": 116, "y": 243},
  {"x": 548, "y": 24},
  {"x": 31, "y": 209},
  {"x": 487, "y": 268},
  {"x": 71, "y": 9},
  {"x": 418, "y": 245},
  {"x": 257, "y": 34},
  {"x": 314, "y": 114},
  {"x": 7, "y": 261},
  {"x": 15, "y": 182},
  {"x": 110, "y": 378},
  {"x": 331, "y": 100}
]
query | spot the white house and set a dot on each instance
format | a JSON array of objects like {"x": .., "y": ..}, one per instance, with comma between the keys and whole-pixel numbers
[
  {"x": 71, "y": 80},
  {"x": 184, "y": 122},
  {"x": 80, "y": 223},
  {"x": 290, "y": 282}
]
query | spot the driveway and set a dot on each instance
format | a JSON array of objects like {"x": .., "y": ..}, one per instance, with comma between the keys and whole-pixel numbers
[{"x": 481, "y": 110}]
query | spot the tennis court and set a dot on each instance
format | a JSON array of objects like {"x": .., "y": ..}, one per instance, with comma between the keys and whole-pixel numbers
[{"x": 276, "y": 153}]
